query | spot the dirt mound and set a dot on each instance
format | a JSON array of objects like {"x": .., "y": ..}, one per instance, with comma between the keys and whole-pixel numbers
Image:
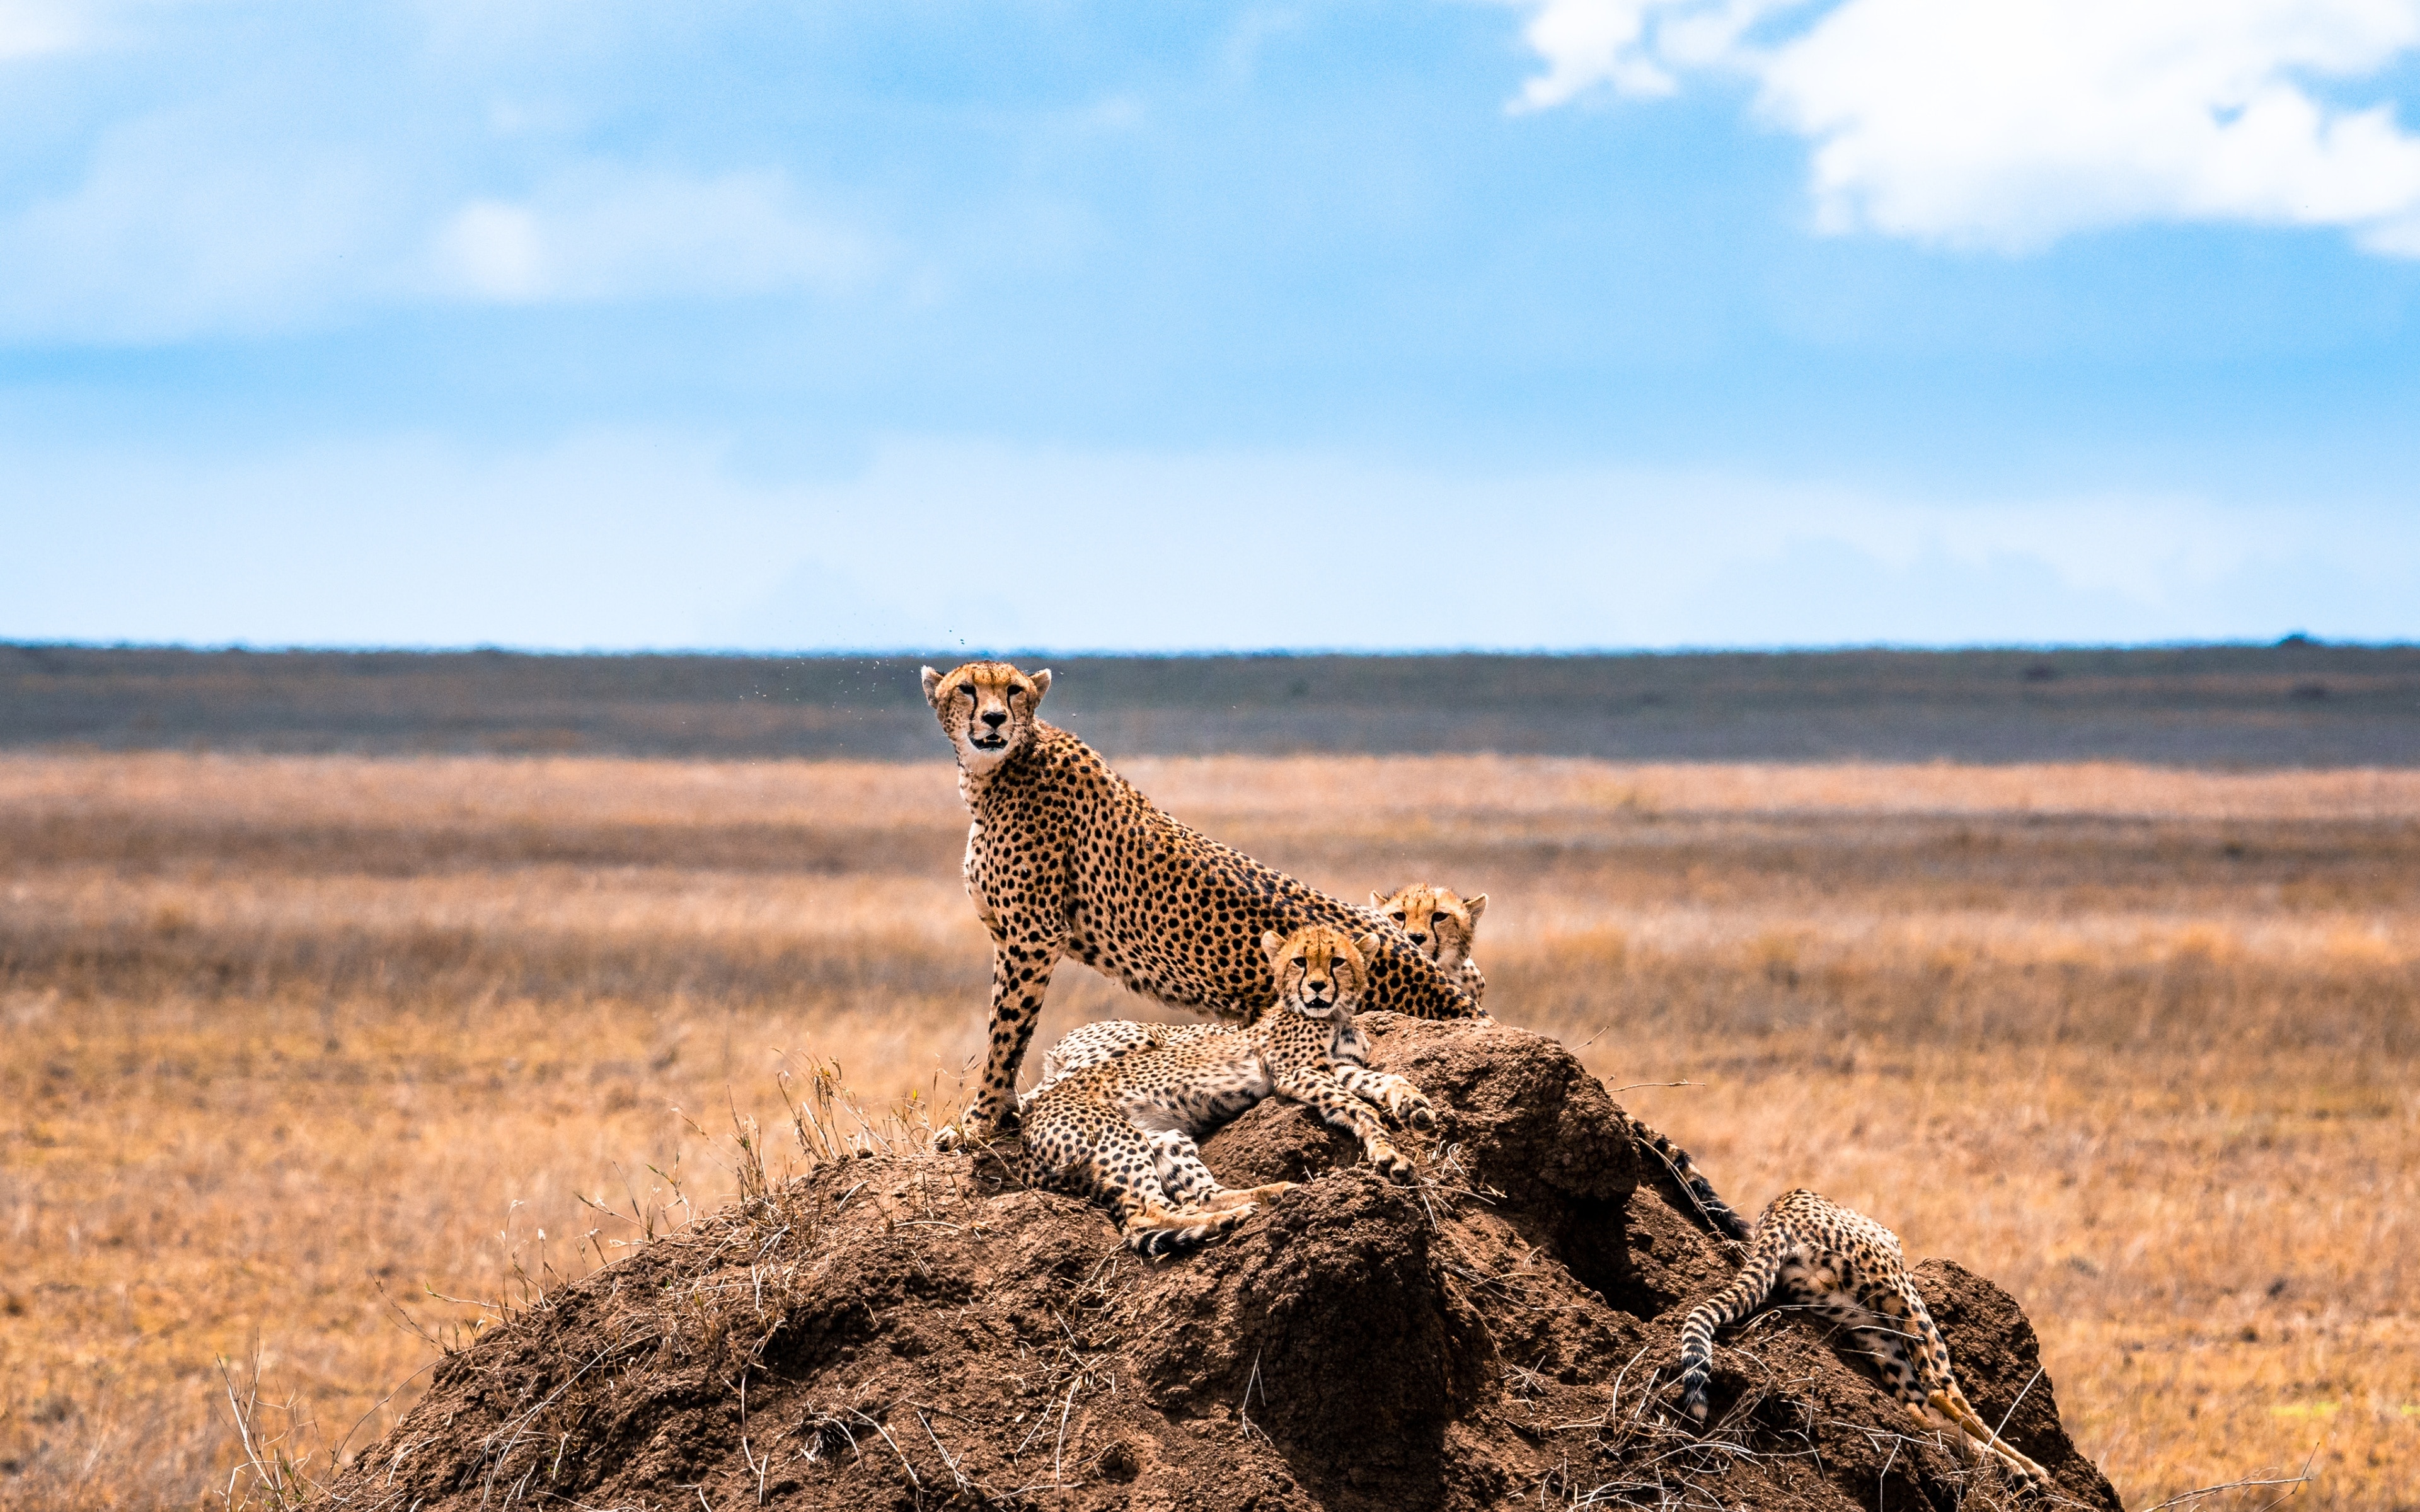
[{"x": 921, "y": 1331}]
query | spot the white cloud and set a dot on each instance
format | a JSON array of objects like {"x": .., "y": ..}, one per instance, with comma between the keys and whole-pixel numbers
[
  {"x": 1591, "y": 42},
  {"x": 2010, "y": 123},
  {"x": 152, "y": 245},
  {"x": 32, "y": 29},
  {"x": 602, "y": 233},
  {"x": 223, "y": 188}
]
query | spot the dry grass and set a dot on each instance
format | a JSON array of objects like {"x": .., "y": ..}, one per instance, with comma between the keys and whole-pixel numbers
[{"x": 289, "y": 1038}]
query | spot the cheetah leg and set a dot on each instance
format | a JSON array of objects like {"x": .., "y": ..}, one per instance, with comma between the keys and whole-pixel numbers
[
  {"x": 1318, "y": 1090},
  {"x": 1403, "y": 1102},
  {"x": 1190, "y": 1184},
  {"x": 1941, "y": 1394},
  {"x": 1915, "y": 1361},
  {"x": 1888, "y": 1351},
  {"x": 1951, "y": 1403},
  {"x": 1021, "y": 977},
  {"x": 1125, "y": 1170},
  {"x": 1182, "y": 1175}
]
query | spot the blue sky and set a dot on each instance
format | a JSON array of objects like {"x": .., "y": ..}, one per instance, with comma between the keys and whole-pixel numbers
[{"x": 1511, "y": 323}]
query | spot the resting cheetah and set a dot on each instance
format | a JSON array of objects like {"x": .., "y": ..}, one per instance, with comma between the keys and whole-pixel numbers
[
  {"x": 1066, "y": 858},
  {"x": 1436, "y": 920},
  {"x": 1107, "y": 1039},
  {"x": 1124, "y": 1129},
  {"x": 1441, "y": 924},
  {"x": 1814, "y": 1253}
]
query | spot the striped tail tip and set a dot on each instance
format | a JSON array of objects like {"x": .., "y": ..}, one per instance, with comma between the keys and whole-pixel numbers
[{"x": 1721, "y": 1214}]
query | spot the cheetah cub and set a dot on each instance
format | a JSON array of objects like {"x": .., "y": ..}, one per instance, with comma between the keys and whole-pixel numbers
[
  {"x": 1808, "y": 1250},
  {"x": 1441, "y": 924},
  {"x": 1123, "y": 1129}
]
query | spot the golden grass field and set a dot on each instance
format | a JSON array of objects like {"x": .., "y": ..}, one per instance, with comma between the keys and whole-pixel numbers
[{"x": 295, "y": 1046}]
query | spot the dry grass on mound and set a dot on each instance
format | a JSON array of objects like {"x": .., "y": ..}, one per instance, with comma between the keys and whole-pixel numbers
[{"x": 294, "y": 1047}]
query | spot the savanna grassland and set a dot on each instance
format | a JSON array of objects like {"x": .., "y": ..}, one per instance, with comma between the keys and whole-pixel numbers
[{"x": 309, "y": 1058}]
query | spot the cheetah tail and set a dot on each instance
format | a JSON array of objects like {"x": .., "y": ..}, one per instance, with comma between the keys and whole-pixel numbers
[
  {"x": 1744, "y": 1295},
  {"x": 1702, "y": 1192}
]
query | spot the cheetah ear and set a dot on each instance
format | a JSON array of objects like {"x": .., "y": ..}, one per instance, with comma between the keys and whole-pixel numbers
[
  {"x": 1476, "y": 906},
  {"x": 1271, "y": 943},
  {"x": 1366, "y": 945},
  {"x": 932, "y": 686},
  {"x": 1377, "y": 899},
  {"x": 1040, "y": 685}
]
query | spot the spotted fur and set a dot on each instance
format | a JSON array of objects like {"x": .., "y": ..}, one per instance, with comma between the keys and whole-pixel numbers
[
  {"x": 1436, "y": 920},
  {"x": 1122, "y": 1129},
  {"x": 1442, "y": 923},
  {"x": 1810, "y": 1252},
  {"x": 1066, "y": 858},
  {"x": 1422, "y": 911}
]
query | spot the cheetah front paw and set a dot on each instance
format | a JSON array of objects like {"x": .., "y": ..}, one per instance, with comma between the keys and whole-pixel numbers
[
  {"x": 974, "y": 1128},
  {"x": 1412, "y": 1109},
  {"x": 1392, "y": 1165},
  {"x": 1219, "y": 1201}
]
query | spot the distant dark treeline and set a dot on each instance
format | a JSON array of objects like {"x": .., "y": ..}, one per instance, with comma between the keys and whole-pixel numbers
[{"x": 2294, "y": 704}]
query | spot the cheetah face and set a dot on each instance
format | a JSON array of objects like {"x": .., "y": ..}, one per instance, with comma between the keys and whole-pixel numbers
[
  {"x": 986, "y": 709},
  {"x": 1440, "y": 923},
  {"x": 1320, "y": 973}
]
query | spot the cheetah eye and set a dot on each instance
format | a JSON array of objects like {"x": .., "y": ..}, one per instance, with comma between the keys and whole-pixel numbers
[
  {"x": 968, "y": 689},
  {"x": 1397, "y": 916},
  {"x": 1301, "y": 960}
]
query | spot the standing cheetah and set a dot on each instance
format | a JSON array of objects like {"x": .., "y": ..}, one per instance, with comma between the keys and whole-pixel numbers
[
  {"x": 1122, "y": 1130},
  {"x": 1812, "y": 1251},
  {"x": 1066, "y": 858}
]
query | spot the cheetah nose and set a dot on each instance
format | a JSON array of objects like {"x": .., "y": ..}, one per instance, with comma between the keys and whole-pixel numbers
[
  {"x": 1418, "y": 939},
  {"x": 995, "y": 718}
]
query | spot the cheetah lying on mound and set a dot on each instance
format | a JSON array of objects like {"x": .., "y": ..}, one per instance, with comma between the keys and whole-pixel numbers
[
  {"x": 1122, "y": 1130},
  {"x": 1438, "y": 923},
  {"x": 1810, "y": 1252},
  {"x": 1442, "y": 925},
  {"x": 1066, "y": 858}
]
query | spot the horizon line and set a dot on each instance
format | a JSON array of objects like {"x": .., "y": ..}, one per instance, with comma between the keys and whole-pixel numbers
[{"x": 2292, "y": 640}]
